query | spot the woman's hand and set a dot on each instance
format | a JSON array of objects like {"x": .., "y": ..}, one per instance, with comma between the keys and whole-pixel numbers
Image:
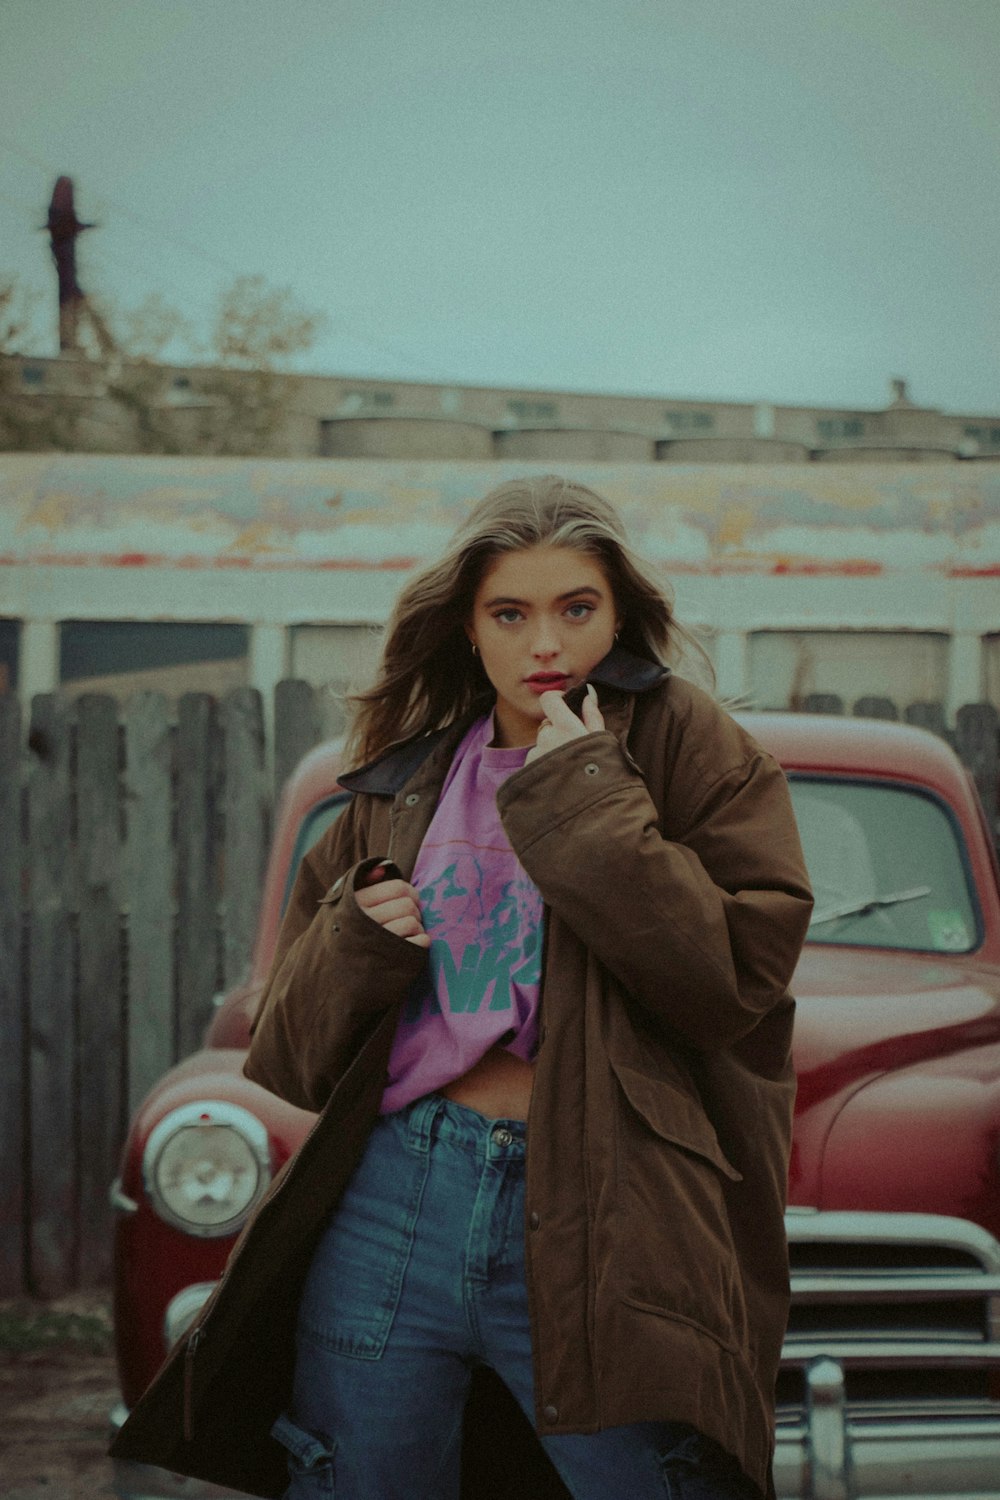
[
  {"x": 394, "y": 904},
  {"x": 561, "y": 724}
]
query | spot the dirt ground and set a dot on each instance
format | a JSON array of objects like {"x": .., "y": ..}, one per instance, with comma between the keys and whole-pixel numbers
[{"x": 57, "y": 1387}]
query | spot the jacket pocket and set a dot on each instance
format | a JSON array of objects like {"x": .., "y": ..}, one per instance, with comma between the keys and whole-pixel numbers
[
  {"x": 675, "y": 1253},
  {"x": 674, "y": 1115}
]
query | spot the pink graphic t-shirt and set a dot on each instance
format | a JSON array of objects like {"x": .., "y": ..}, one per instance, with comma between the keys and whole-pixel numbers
[{"x": 484, "y": 919}]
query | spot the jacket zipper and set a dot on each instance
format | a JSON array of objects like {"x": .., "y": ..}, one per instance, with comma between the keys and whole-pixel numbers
[{"x": 189, "y": 1356}]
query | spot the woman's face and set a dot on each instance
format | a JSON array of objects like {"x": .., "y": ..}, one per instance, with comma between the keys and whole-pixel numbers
[{"x": 542, "y": 618}]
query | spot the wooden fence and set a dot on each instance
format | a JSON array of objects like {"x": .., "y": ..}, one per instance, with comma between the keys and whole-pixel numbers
[{"x": 131, "y": 858}]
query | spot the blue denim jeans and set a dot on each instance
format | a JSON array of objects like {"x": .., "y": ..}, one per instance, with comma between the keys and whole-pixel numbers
[{"x": 419, "y": 1278}]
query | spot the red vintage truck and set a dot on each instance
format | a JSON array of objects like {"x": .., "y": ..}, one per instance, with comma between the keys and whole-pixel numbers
[{"x": 891, "y": 1377}]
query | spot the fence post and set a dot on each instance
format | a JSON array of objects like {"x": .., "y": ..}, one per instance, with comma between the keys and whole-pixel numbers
[
  {"x": 101, "y": 1019},
  {"x": 53, "y": 1156},
  {"x": 150, "y": 891},
  {"x": 13, "y": 1101},
  {"x": 197, "y": 886},
  {"x": 296, "y": 727},
  {"x": 245, "y": 801}
]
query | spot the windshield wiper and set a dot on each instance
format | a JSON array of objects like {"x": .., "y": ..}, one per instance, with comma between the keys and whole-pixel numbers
[{"x": 874, "y": 903}]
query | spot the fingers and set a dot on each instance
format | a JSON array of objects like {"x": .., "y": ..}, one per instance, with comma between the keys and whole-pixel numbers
[
  {"x": 549, "y": 737},
  {"x": 394, "y": 905},
  {"x": 561, "y": 724},
  {"x": 561, "y": 717},
  {"x": 411, "y": 930},
  {"x": 592, "y": 717},
  {"x": 388, "y": 900},
  {"x": 559, "y": 713}
]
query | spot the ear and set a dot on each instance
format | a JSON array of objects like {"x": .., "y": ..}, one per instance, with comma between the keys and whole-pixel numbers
[{"x": 467, "y": 627}]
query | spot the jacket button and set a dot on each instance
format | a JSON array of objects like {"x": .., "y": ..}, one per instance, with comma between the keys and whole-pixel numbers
[
  {"x": 591, "y": 768},
  {"x": 551, "y": 1414},
  {"x": 411, "y": 799},
  {"x": 533, "y": 1221}
]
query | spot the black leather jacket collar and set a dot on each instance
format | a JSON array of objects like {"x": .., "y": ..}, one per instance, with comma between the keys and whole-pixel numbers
[{"x": 385, "y": 776}]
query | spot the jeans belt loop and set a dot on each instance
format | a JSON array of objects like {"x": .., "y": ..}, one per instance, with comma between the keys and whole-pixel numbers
[{"x": 423, "y": 1115}]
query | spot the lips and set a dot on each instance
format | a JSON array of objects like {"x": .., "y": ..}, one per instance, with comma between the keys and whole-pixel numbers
[{"x": 547, "y": 682}]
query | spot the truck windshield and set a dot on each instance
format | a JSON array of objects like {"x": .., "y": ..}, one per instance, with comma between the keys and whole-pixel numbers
[{"x": 887, "y": 865}]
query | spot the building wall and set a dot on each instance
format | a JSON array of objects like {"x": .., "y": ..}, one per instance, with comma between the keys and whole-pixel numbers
[
  {"x": 859, "y": 580},
  {"x": 342, "y": 417}
]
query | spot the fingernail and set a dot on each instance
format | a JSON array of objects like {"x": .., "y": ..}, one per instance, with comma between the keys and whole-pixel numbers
[{"x": 591, "y": 691}]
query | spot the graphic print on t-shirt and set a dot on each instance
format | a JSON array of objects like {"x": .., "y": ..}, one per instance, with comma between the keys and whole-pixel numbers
[
  {"x": 481, "y": 984},
  {"x": 484, "y": 932}
]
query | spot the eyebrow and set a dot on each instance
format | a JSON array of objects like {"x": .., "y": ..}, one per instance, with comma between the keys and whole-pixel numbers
[{"x": 560, "y": 599}]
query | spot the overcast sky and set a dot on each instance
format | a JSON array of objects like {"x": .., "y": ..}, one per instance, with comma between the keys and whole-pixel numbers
[{"x": 779, "y": 200}]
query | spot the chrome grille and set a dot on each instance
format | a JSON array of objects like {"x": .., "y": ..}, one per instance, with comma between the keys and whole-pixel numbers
[{"x": 890, "y": 1381}]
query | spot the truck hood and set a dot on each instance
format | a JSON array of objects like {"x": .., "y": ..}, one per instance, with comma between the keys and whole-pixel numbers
[{"x": 864, "y": 1012}]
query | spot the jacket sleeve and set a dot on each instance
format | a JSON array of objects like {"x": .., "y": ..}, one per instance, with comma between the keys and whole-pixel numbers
[
  {"x": 702, "y": 928},
  {"x": 335, "y": 973}
]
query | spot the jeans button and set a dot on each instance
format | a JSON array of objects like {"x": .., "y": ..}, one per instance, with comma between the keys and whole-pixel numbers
[
  {"x": 551, "y": 1414},
  {"x": 502, "y": 1136}
]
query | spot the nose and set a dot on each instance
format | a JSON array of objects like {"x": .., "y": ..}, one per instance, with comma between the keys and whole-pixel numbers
[{"x": 545, "y": 641}]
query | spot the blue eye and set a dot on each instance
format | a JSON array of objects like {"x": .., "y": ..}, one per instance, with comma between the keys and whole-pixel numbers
[
  {"x": 507, "y": 616},
  {"x": 583, "y": 610}
]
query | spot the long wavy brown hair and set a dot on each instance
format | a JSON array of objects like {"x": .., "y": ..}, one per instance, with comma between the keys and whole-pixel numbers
[{"x": 428, "y": 676}]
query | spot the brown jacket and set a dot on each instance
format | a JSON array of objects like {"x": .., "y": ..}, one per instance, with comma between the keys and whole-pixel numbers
[{"x": 676, "y": 903}]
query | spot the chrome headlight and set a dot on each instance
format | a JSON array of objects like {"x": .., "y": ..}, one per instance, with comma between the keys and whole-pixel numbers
[{"x": 205, "y": 1166}]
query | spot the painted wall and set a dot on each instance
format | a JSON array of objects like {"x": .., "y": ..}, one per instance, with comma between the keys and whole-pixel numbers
[{"x": 748, "y": 549}]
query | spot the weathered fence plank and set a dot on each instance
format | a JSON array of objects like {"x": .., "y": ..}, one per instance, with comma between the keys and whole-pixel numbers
[
  {"x": 53, "y": 1155},
  {"x": 151, "y": 1036},
  {"x": 297, "y": 726},
  {"x": 926, "y": 715},
  {"x": 873, "y": 707},
  {"x": 246, "y": 822},
  {"x": 197, "y": 885},
  {"x": 822, "y": 703},
  {"x": 100, "y": 1009},
  {"x": 977, "y": 740},
  {"x": 13, "y": 1091}
]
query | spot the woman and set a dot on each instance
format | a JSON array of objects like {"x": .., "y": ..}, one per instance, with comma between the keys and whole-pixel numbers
[
  {"x": 535, "y": 978},
  {"x": 648, "y": 845}
]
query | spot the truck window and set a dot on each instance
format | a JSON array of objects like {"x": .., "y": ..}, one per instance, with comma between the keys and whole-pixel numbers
[{"x": 887, "y": 865}]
